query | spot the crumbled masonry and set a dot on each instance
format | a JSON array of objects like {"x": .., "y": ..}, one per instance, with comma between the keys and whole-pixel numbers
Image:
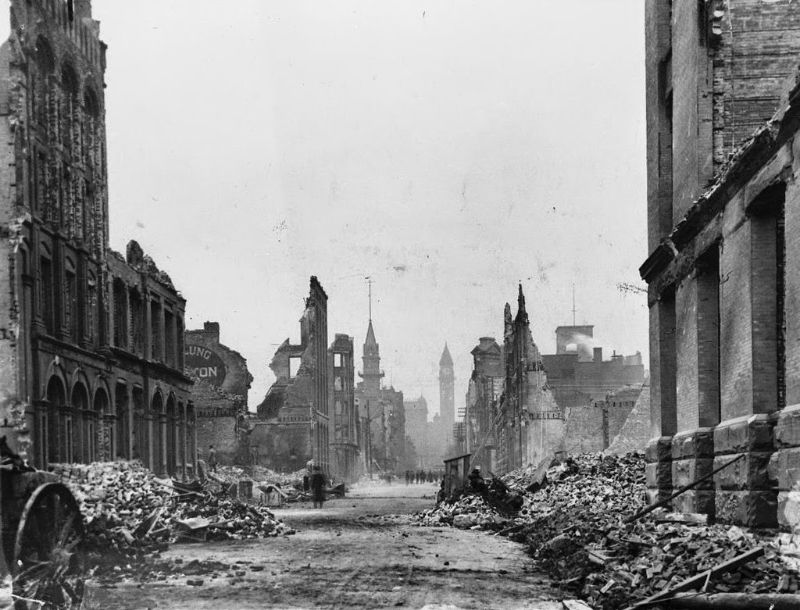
[
  {"x": 573, "y": 528},
  {"x": 131, "y": 514}
]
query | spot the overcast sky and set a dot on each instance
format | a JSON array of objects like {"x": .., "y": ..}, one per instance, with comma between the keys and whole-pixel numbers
[{"x": 449, "y": 150}]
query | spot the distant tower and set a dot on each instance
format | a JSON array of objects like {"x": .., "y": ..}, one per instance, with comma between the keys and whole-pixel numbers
[
  {"x": 447, "y": 404},
  {"x": 371, "y": 359}
]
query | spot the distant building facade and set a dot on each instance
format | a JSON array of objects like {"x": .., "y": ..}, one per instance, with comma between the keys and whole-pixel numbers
[
  {"x": 90, "y": 341},
  {"x": 723, "y": 202},
  {"x": 577, "y": 373},
  {"x": 482, "y": 403},
  {"x": 221, "y": 383},
  {"x": 345, "y": 449},
  {"x": 294, "y": 418}
]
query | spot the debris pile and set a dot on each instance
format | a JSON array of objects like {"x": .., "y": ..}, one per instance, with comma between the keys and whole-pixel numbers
[
  {"x": 576, "y": 521},
  {"x": 128, "y": 511}
]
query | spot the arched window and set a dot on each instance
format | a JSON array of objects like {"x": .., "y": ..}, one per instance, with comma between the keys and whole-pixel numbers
[
  {"x": 172, "y": 439},
  {"x": 99, "y": 437},
  {"x": 51, "y": 424},
  {"x": 120, "y": 314},
  {"x": 90, "y": 103},
  {"x": 71, "y": 299},
  {"x": 39, "y": 86},
  {"x": 91, "y": 308},
  {"x": 122, "y": 409},
  {"x": 76, "y": 430},
  {"x": 47, "y": 290},
  {"x": 157, "y": 412}
]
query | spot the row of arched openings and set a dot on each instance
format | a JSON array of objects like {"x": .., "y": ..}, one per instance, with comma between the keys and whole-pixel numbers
[{"x": 80, "y": 430}]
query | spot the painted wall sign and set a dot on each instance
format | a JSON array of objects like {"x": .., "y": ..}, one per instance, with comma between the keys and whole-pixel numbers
[{"x": 205, "y": 364}]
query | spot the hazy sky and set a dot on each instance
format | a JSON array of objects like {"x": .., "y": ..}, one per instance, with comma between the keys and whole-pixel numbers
[{"x": 449, "y": 150}]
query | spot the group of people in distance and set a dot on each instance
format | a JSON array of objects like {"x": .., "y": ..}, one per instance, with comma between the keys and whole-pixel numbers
[{"x": 420, "y": 476}]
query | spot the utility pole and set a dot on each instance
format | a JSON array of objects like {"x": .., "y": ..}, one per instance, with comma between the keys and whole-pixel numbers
[{"x": 573, "y": 305}]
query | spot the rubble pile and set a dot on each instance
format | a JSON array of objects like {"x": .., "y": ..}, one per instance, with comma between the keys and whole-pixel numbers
[
  {"x": 573, "y": 521},
  {"x": 129, "y": 512}
]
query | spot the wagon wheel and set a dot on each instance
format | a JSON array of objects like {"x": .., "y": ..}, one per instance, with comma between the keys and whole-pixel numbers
[{"x": 48, "y": 561}]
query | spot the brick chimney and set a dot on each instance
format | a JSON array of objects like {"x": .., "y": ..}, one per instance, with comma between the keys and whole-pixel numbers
[
  {"x": 82, "y": 9},
  {"x": 212, "y": 328},
  {"x": 598, "y": 354}
]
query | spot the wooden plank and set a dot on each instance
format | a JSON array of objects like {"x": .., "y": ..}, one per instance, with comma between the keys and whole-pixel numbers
[
  {"x": 735, "y": 601},
  {"x": 699, "y": 579}
]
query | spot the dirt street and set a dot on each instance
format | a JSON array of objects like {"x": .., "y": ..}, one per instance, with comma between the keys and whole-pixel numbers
[{"x": 360, "y": 552}]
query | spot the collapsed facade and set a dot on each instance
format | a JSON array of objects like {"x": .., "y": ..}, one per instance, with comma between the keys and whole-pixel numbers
[
  {"x": 221, "y": 381},
  {"x": 90, "y": 341},
  {"x": 483, "y": 395},
  {"x": 530, "y": 422},
  {"x": 723, "y": 228},
  {"x": 293, "y": 424},
  {"x": 345, "y": 440}
]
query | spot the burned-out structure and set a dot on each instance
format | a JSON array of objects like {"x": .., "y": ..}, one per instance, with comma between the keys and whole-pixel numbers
[
  {"x": 530, "y": 424},
  {"x": 384, "y": 441},
  {"x": 294, "y": 418},
  {"x": 345, "y": 425},
  {"x": 482, "y": 401},
  {"x": 90, "y": 340},
  {"x": 723, "y": 227},
  {"x": 221, "y": 381},
  {"x": 577, "y": 373}
]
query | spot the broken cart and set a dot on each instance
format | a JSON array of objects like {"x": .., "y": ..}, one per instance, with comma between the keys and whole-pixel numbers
[{"x": 42, "y": 532}]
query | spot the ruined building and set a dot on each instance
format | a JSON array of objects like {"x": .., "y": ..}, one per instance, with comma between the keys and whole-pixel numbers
[
  {"x": 91, "y": 342},
  {"x": 577, "y": 373},
  {"x": 482, "y": 403},
  {"x": 530, "y": 424},
  {"x": 345, "y": 439},
  {"x": 385, "y": 442},
  {"x": 724, "y": 283},
  {"x": 294, "y": 418},
  {"x": 221, "y": 381}
]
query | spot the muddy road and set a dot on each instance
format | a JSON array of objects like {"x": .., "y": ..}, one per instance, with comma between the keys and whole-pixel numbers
[{"x": 359, "y": 552}]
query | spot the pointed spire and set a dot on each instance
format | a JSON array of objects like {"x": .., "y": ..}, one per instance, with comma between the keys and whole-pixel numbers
[
  {"x": 447, "y": 359},
  {"x": 370, "y": 336},
  {"x": 522, "y": 313}
]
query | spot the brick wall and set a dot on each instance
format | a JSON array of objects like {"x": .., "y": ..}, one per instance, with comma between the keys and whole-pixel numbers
[
  {"x": 792, "y": 293},
  {"x": 584, "y": 430},
  {"x": 736, "y": 345},
  {"x": 219, "y": 429},
  {"x": 686, "y": 346}
]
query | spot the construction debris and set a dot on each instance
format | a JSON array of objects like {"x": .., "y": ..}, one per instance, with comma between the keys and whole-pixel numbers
[
  {"x": 129, "y": 512},
  {"x": 576, "y": 520}
]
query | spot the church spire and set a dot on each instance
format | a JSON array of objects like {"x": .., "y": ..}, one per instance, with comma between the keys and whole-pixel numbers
[{"x": 446, "y": 359}]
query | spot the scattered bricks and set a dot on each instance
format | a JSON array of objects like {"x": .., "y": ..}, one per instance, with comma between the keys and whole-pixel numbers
[
  {"x": 753, "y": 433},
  {"x": 750, "y": 508},
  {"x": 752, "y": 472}
]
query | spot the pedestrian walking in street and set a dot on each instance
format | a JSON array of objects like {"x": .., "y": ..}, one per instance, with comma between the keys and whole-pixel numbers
[
  {"x": 318, "y": 487},
  {"x": 212, "y": 458}
]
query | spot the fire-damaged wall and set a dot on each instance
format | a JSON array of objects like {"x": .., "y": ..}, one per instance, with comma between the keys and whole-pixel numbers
[
  {"x": 530, "y": 422},
  {"x": 593, "y": 427},
  {"x": 723, "y": 269},
  {"x": 293, "y": 418},
  {"x": 90, "y": 340},
  {"x": 219, "y": 394}
]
